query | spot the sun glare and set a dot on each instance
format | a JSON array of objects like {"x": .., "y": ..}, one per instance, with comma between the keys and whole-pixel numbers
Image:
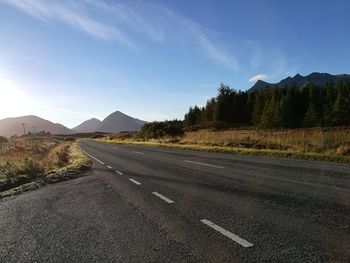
[{"x": 13, "y": 102}]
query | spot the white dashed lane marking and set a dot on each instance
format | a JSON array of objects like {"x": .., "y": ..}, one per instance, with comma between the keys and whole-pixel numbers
[
  {"x": 205, "y": 164},
  {"x": 134, "y": 181},
  {"x": 91, "y": 156},
  {"x": 109, "y": 167},
  {"x": 164, "y": 198},
  {"x": 118, "y": 172},
  {"x": 230, "y": 235},
  {"x": 138, "y": 152}
]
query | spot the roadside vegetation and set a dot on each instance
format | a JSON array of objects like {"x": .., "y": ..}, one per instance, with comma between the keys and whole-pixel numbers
[
  {"x": 42, "y": 164},
  {"x": 306, "y": 122},
  {"x": 325, "y": 144},
  {"x": 271, "y": 108}
]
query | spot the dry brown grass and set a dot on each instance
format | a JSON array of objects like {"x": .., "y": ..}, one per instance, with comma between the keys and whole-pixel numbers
[
  {"x": 23, "y": 166},
  {"x": 332, "y": 144},
  {"x": 301, "y": 140}
]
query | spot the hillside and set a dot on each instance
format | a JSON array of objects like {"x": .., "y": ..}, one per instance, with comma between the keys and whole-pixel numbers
[
  {"x": 13, "y": 126},
  {"x": 115, "y": 122},
  {"x": 90, "y": 125},
  {"x": 318, "y": 79},
  {"x": 118, "y": 121}
]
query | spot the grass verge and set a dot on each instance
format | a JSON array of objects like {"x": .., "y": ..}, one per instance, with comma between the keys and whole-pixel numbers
[
  {"x": 24, "y": 171},
  {"x": 240, "y": 150}
]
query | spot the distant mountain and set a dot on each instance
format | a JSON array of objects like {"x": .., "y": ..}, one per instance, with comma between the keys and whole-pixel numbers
[
  {"x": 115, "y": 122},
  {"x": 91, "y": 125},
  {"x": 318, "y": 79},
  {"x": 13, "y": 126},
  {"x": 118, "y": 121}
]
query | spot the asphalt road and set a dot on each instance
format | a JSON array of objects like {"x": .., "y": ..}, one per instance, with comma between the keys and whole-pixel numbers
[{"x": 140, "y": 204}]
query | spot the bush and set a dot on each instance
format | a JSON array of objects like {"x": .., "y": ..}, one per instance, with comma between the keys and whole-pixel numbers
[
  {"x": 26, "y": 167},
  {"x": 97, "y": 136},
  {"x": 343, "y": 150},
  {"x": 63, "y": 156},
  {"x": 122, "y": 136},
  {"x": 30, "y": 167},
  {"x": 70, "y": 139},
  {"x": 160, "y": 129}
]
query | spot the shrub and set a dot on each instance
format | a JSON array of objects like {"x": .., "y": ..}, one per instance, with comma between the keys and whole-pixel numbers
[
  {"x": 63, "y": 156},
  {"x": 70, "y": 139},
  {"x": 97, "y": 136},
  {"x": 343, "y": 150},
  {"x": 122, "y": 136},
  {"x": 30, "y": 167},
  {"x": 26, "y": 167},
  {"x": 160, "y": 129}
]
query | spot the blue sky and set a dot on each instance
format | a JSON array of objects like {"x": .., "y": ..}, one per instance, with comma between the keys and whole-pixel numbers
[{"x": 68, "y": 61}]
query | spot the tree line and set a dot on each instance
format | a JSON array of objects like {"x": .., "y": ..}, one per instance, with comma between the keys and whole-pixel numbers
[{"x": 271, "y": 107}]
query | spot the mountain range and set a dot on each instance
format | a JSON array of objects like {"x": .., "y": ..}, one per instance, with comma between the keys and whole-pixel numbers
[
  {"x": 318, "y": 79},
  {"x": 115, "y": 122},
  {"x": 13, "y": 126},
  {"x": 118, "y": 121}
]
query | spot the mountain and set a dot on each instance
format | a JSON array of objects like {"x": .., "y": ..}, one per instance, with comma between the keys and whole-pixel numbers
[
  {"x": 118, "y": 121},
  {"x": 115, "y": 122},
  {"x": 13, "y": 126},
  {"x": 91, "y": 125},
  {"x": 318, "y": 79}
]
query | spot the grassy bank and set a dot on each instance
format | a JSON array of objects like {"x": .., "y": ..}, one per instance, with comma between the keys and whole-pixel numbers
[
  {"x": 41, "y": 165},
  {"x": 328, "y": 144}
]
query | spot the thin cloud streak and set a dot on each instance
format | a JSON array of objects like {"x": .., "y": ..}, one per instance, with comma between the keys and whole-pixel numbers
[
  {"x": 73, "y": 15},
  {"x": 117, "y": 21},
  {"x": 65, "y": 111},
  {"x": 130, "y": 17},
  {"x": 195, "y": 30}
]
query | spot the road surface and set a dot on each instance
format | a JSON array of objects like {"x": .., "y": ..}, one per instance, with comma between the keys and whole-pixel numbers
[{"x": 141, "y": 204}]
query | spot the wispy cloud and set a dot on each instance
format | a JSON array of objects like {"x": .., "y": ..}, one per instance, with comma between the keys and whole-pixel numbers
[
  {"x": 64, "y": 111},
  {"x": 202, "y": 39},
  {"x": 120, "y": 21},
  {"x": 78, "y": 16},
  {"x": 256, "y": 54},
  {"x": 129, "y": 17},
  {"x": 259, "y": 77}
]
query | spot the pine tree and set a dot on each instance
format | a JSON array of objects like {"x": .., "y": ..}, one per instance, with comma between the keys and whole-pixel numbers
[
  {"x": 341, "y": 108},
  {"x": 209, "y": 110},
  {"x": 222, "y": 111},
  {"x": 271, "y": 116},
  {"x": 311, "y": 119},
  {"x": 330, "y": 97},
  {"x": 258, "y": 108},
  {"x": 289, "y": 108},
  {"x": 193, "y": 116}
]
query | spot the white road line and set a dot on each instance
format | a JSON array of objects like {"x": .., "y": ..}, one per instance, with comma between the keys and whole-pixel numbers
[
  {"x": 109, "y": 167},
  {"x": 138, "y": 152},
  {"x": 118, "y": 172},
  {"x": 163, "y": 198},
  {"x": 230, "y": 235},
  {"x": 134, "y": 181},
  {"x": 205, "y": 164},
  {"x": 91, "y": 156}
]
